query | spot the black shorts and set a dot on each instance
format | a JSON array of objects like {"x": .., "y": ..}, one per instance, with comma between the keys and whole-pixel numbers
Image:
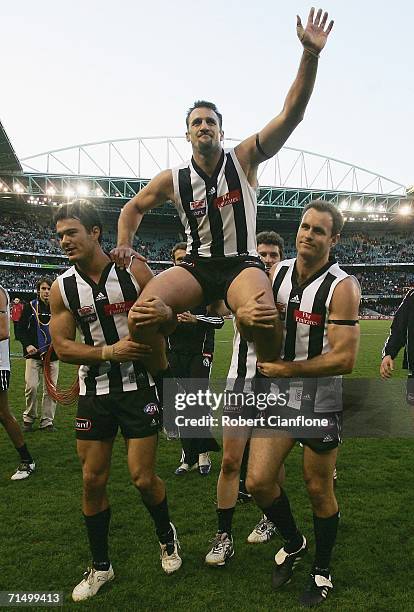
[
  {"x": 4, "y": 380},
  {"x": 137, "y": 413},
  {"x": 215, "y": 274},
  {"x": 190, "y": 365}
]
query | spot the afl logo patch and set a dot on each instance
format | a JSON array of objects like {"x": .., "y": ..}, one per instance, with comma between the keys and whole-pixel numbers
[
  {"x": 83, "y": 424},
  {"x": 151, "y": 409}
]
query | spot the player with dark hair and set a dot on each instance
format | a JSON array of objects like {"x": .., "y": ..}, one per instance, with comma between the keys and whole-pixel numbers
[
  {"x": 215, "y": 197},
  {"x": 34, "y": 335},
  {"x": 320, "y": 343},
  {"x": 27, "y": 464},
  {"x": 190, "y": 355},
  {"x": 116, "y": 391}
]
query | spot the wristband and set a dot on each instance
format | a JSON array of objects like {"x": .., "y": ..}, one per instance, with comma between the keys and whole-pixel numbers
[
  {"x": 311, "y": 52},
  {"x": 107, "y": 352}
]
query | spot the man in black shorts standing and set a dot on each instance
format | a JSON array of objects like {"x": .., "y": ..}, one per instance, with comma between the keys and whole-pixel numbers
[
  {"x": 115, "y": 389},
  {"x": 215, "y": 197},
  {"x": 190, "y": 355},
  {"x": 320, "y": 305}
]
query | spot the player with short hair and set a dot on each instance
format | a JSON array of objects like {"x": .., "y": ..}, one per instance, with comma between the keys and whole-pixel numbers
[
  {"x": 320, "y": 343},
  {"x": 10, "y": 424},
  {"x": 215, "y": 197},
  {"x": 231, "y": 481},
  {"x": 116, "y": 391}
]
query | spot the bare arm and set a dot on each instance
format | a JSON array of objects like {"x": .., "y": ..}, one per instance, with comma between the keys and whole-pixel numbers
[
  {"x": 63, "y": 333},
  {"x": 4, "y": 317},
  {"x": 273, "y": 136},
  {"x": 159, "y": 190},
  {"x": 343, "y": 339}
]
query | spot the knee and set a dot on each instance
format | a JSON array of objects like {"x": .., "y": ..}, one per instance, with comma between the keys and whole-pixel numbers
[
  {"x": 144, "y": 481},
  {"x": 231, "y": 464},
  {"x": 94, "y": 481},
  {"x": 319, "y": 491},
  {"x": 258, "y": 485}
]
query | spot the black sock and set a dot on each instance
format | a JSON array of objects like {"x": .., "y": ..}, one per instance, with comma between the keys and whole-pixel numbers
[
  {"x": 225, "y": 519},
  {"x": 161, "y": 518},
  {"x": 24, "y": 454},
  {"x": 325, "y": 536},
  {"x": 97, "y": 527},
  {"x": 281, "y": 515}
]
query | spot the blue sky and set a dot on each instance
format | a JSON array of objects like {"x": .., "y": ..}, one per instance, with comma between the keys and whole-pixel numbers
[{"x": 82, "y": 71}]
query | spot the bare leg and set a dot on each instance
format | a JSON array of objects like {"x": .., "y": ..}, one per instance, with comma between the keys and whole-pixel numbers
[
  {"x": 267, "y": 455},
  {"x": 179, "y": 290},
  {"x": 228, "y": 481},
  {"x": 141, "y": 464},
  {"x": 267, "y": 341},
  {"x": 9, "y": 422},
  {"x": 95, "y": 457},
  {"x": 318, "y": 475}
]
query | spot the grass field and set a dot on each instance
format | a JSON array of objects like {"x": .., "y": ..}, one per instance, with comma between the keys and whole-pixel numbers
[{"x": 43, "y": 542}]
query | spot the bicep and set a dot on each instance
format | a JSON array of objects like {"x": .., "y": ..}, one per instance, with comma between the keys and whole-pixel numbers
[
  {"x": 344, "y": 331},
  {"x": 62, "y": 323},
  {"x": 260, "y": 147}
]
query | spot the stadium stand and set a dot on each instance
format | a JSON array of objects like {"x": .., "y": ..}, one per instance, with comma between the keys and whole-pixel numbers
[{"x": 382, "y": 261}]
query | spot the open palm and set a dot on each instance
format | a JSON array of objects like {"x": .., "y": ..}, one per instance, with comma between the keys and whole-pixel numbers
[{"x": 314, "y": 36}]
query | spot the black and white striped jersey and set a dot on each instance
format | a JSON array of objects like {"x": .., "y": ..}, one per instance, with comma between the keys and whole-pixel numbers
[
  {"x": 5, "y": 344},
  {"x": 305, "y": 312},
  {"x": 101, "y": 314},
  {"x": 305, "y": 308},
  {"x": 217, "y": 212},
  {"x": 243, "y": 364}
]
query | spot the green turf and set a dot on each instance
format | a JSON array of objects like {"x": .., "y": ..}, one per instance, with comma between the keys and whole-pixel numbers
[{"x": 43, "y": 544}]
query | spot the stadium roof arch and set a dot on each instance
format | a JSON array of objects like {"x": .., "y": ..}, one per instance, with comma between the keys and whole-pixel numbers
[{"x": 118, "y": 169}]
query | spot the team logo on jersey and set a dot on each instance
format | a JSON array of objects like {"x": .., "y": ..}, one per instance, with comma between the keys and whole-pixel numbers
[
  {"x": 151, "y": 409},
  {"x": 83, "y": 424},
  {"x": 87, "y": 314},
  {"x": 232, "y": 197},
  {"x": 307, "y": 318},
  {"x": 118, "y": 308},
  {"x": 198, "y": 208}
]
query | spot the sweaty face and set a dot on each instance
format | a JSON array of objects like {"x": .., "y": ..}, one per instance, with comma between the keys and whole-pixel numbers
[
  {"x": 75, "y": 240},
  {"x": 44, "y": 291},
  {"x": 314, "y": 238},
  {"x": 179, "y": 256},
  {"x": 204, "y": 131},
  {"x": 269, "y": 254}
]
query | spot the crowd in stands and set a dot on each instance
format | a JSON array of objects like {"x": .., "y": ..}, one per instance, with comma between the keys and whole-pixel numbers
[
  {"x": 29, "y": 235},
  {"x": 23, "y": 279},
  {"x": 375, "y": 248},
  {"x": 384, "y": 281}
]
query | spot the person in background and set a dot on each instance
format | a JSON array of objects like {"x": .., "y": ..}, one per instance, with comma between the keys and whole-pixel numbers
[{"x": 34, "y": 335}]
